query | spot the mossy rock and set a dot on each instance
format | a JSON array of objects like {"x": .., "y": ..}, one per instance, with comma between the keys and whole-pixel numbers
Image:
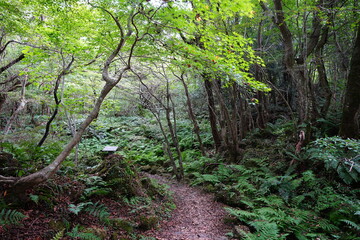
[
  {"x": 97, "y": 231},
  {"x": 122, "y": 224},
  {"x": 232, "y": 199},
  {"x": 148, "y": 222},
  {"x": 57, "y": 225},
  {"x": 209, "y": 188},
  {"x": 8, "y": 164},
  {"x": 153, "y": 189},
  {"x": 240, "y": 231},
  {"x": 121, "y": 175},
  {"x": 146, "y": 168},
  {"x": 116, "y": 236}
]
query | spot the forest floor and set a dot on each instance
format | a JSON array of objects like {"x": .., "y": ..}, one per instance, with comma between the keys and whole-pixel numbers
[{"x": 196, "y": 217}]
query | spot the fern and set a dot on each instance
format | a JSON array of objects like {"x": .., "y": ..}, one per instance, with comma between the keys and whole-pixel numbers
[
  {"x": 98, "y": 210},
  {"x": 202, "y": 178},
  {"x": 59, "y": 235},
  {"x": 241, "y": 214},
  {"x": 266, "y": 230},
  {"x": 78, "y": 208},
  {"x": 326, "y": 225},
  {"x": 351, "y": 224},
  {"x": 85, "y": 236},
  {"x": 10, "y": 217}
]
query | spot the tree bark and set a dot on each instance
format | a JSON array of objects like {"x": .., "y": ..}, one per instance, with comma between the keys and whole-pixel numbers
[
  {"x": 57, "y": 101},
  {"x": 13, "y": 62},
  {"x": 192, "y": 115},
  {"x": 349, "y": 127},
  {"x": 21, "y": 106},
  {"x": 212, "y": 115},
  {"x": 18, "y": 185}
]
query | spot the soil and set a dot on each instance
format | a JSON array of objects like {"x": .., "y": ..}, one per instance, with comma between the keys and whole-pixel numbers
[{"x": 196, "y": 217}]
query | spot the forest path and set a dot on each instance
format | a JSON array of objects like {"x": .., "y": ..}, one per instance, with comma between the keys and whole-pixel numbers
[{"x": 196, "y": 217}]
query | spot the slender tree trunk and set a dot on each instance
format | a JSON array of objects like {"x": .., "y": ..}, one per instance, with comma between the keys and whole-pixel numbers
[
  {"x": 349, "y": 127},
  {"x": 167, "y": 144},
  {"x": 229, "y": 126},
  {"x": 21, "y": 107},
  {"x": 57, "y": 101},
  {"x": 172, "y": 131},
  {"x": 212, "y": 115},
  {"x": 192, "y": 115}
]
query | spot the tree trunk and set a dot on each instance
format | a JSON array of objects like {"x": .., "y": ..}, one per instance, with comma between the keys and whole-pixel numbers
[
  {"x": 349, "y": 127},
  {"x": 18, "y": 185},
  {"x": 212, "y": 115},
  {"x": 57, "y": 101},
  {"x": 21, "y": 106},
  {"x": 172, "y": 130},
  {"x": 192, "y": 115}
]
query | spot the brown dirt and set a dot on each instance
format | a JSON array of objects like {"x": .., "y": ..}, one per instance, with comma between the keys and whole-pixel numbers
[{"x": 197, "y": 216}]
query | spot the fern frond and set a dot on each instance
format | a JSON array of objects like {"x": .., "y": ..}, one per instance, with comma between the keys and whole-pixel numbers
[
  {"x": 351, "y": 224},
  {"x": 11, "y": 217},
  {"x": 266, "y": 230},
  {"x": 84, "y": 236},
  {"x": 326, "y": 225},
  {"x": 98, "y": 210},
  {"x": 241, "y": 214},
  {"x": 59, "y": 235},
  {"x": 78, "y": 208}
]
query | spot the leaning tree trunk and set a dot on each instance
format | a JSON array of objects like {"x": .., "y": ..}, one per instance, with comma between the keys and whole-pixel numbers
[{"x": 349, "y": 127}]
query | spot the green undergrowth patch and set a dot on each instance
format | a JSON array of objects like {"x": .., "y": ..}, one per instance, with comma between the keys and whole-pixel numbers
[
  {"x": 110, "y": 201},
  {"x": 278, "y": 194}
]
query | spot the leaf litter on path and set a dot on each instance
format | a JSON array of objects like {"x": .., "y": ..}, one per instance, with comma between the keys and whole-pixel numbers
[{"x": 196, "y": 217}]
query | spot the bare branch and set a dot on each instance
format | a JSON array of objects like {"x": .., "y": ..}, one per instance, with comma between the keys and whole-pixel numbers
[{"x": 13, "y": 62}]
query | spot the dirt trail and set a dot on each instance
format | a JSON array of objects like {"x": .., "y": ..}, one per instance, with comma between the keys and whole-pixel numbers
[{"x": 197, "y": 216}]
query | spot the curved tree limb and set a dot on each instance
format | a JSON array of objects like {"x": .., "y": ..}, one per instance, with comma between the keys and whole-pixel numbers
[
  {"x": 18, "y": 185},
  {"x": 57, "y": 101}
]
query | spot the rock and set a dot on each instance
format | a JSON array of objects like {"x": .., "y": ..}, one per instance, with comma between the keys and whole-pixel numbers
[
  {"x": 122, "y": 224},
  {"x": 57, "y": 225},
  {"x": 148, "y": 222},
  {"x": 153, "y": 189},
  {"x": 100, "y": 232},
  {"x": 121, "y": 175},
  {"x": 145, "y": 168},
  {"x": 8, "y": 164},
  {"x": 240, "y": 231}
]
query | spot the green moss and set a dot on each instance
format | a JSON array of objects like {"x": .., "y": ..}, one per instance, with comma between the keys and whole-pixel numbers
[
  {"x": 122, "y": 224},
  {"x": 57, "y": 225},
  {"x": 148, "y": 222}
]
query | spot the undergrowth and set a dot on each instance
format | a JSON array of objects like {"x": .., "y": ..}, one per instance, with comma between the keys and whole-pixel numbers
[{"x": 275, "y": 192}]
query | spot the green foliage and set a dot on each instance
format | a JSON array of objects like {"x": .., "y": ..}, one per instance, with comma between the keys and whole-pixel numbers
[
  {"x": 30, "y": 156},
  {"x": 352, "y": 224},
  {"x": 10, "y": 217},
  {"x": 76, "y": 233},
  {"x": 76, "y": 209},
  {"x": 275, "y": 207},
  {"x": 34, "y": 198},
  {"x": 59, "y": 235},
  {"x": 96, "y": 209},
  {"x": 341, "y": 156},
  {"x": 96, "y": 186}
]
